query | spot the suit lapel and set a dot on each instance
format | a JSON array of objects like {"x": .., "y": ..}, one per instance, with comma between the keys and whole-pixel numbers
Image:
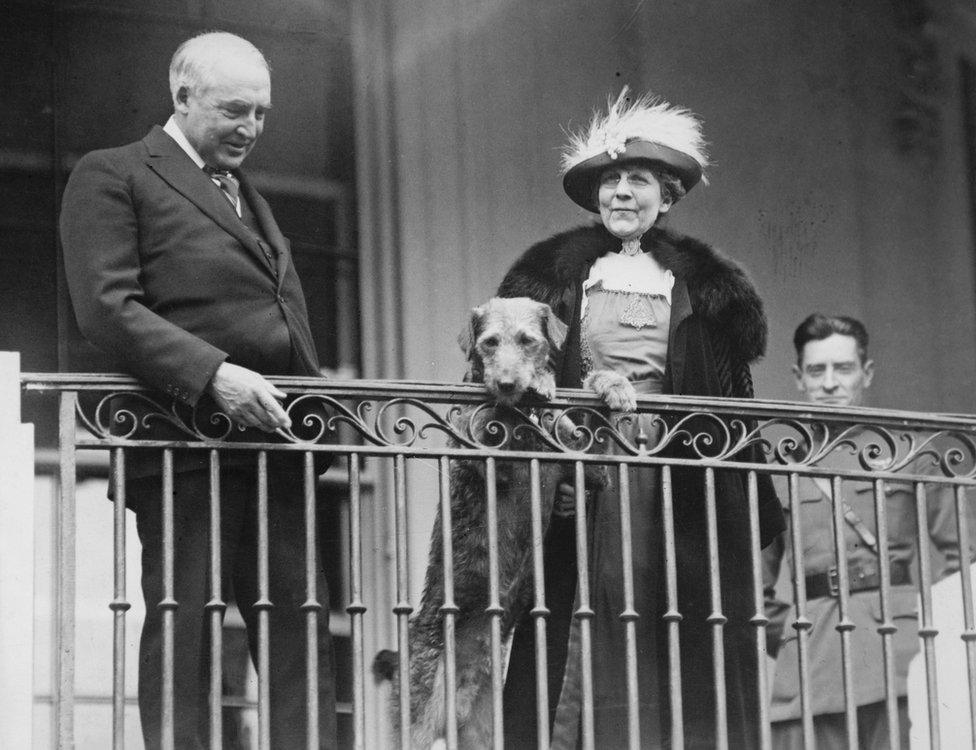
[
  {"x": 262, "y": 212},
  {"x": 177, "y": 169}
]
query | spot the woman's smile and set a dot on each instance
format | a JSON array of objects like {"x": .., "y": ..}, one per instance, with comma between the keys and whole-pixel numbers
[{"x": 630, "y": 200}]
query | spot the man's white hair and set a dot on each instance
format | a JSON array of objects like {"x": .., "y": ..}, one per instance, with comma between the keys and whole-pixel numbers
[{"x": 195, "y": 58}]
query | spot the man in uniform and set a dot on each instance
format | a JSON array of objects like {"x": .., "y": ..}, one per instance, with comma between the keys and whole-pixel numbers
[{"x": 833, "y": 369}]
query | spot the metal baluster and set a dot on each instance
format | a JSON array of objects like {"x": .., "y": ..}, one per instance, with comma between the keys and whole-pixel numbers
[
  {"x": 494, "y": 609},
  {"x": 927, "y": 630},
  {"x": 759, "y": 620},
  {"x": 263, "y": 606},
  {"x": 216, "y": 608},
  {"x": 168, "y": 605},
  {"x": 356, "y": 608},
  {"x": 449, "y": 610},
  {"x": 312, "y": 608},
  {"x": 629, "y": 616},
  {"x": 584, "y": 614},
  {"x": 844, "y": 625},
  {"x": 402, "y": 609},
  {"x": 802, "y": 624},
  {"x": 64, "y": 697},
  {"x": 887, "y": 628},
  {"x": 716, "y": 619},
  {"x": 119, "y": 605},
  {"x": 969, "y": 633},
  {"x": 539, "y": 612},
  {"x": 672, "y": 617}
]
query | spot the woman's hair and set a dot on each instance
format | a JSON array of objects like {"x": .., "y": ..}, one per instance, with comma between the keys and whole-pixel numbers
[
  {"x": 671, "y": 188},
  {"x": 818, "y": 327}
]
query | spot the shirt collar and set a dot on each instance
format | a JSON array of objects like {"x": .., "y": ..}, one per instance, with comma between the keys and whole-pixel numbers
[{"x": 174, "y": 132}]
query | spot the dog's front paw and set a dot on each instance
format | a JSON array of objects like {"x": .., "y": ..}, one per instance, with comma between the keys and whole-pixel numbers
[
  {"x": 616, "y": 391},
  {"x": 545, "y": 386}
]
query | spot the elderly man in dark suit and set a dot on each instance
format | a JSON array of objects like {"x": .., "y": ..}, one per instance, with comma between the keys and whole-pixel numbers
[{"x": 177, "y": 269}]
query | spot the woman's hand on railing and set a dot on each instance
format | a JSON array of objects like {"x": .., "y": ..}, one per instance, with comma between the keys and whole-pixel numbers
[
  {"x": 565, "y": 505},
  {"x": 248, "y": 399}
]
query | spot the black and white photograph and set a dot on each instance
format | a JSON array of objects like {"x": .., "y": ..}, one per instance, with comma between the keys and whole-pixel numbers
[{"x": 496, "y": 375}]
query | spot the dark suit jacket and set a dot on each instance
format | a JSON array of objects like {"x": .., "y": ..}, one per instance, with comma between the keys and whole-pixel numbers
[{"x": 168, "y": 281}]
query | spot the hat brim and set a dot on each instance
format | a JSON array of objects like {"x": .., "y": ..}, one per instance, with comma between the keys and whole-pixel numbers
[{"x": 580, "y": 181}]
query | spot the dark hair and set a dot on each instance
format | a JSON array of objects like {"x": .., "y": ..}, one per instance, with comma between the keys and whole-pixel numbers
[
  {"x": 671, "y": 188},
  {"x": 818, "y": 326}
]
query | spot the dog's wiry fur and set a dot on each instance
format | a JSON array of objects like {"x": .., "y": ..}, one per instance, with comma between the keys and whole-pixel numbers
[{"x": 509, "y": 343}]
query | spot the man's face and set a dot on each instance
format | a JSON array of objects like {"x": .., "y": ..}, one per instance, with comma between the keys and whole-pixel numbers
[
  {"x": 831, "y": 372},
  {"x": 223, "y": 117}
]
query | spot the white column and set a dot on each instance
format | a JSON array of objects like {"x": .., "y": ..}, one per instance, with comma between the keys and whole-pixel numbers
[{"x": 16, "y": 561}]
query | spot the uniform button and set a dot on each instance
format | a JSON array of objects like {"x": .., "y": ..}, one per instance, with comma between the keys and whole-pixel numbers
[{"x": 281, "y": 299}]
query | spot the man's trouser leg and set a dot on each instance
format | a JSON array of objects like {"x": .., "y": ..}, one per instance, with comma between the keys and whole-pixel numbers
[{"x": 239, "y": 556}]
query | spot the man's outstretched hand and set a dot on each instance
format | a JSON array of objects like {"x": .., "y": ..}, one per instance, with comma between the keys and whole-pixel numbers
[{"x": 247, "y": 398}]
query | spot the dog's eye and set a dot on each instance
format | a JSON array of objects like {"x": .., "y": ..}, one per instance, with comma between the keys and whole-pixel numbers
[
  {"x": 525, "y": 340},
  {"x": 489, "y": 342}
]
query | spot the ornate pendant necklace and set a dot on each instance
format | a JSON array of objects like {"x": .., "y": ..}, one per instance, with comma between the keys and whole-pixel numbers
[
  {"x": 638, "y": 313},
  {"x": 631, "y": 247}
]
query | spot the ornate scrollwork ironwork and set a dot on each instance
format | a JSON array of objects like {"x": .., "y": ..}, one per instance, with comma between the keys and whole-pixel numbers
[
  {"x": 873, "y": 448},
  {"x": 799, "y": 439}
]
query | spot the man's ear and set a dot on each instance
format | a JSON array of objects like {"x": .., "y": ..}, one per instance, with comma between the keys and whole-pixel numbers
[
  {"x": 868, "y": 373},
  {"x": 181, "y": 98}
]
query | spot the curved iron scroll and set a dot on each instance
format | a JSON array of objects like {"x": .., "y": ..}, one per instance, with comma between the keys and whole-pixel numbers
[{"x": 801, "y": 441}]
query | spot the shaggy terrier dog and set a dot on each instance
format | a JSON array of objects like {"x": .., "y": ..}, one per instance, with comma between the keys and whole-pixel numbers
[{"x": 510, "y": 345}]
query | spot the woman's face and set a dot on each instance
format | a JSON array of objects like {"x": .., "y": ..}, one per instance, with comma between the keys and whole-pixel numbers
[{"x": 630, "y": 200}]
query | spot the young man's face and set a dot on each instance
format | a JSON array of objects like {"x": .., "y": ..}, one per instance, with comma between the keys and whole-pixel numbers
[{"x": 831, "y": 371}]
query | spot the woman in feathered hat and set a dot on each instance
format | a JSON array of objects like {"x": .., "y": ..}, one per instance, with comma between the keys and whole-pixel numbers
[{"x": 668, "y": 314}]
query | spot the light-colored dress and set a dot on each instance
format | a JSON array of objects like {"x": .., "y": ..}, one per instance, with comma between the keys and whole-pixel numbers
[
  {"x": 625, "y": 325},
  {"x": 626, "y": 313}
]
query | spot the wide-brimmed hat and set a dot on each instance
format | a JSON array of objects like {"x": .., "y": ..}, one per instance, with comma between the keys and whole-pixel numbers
[{"x": 647, "y": 129}]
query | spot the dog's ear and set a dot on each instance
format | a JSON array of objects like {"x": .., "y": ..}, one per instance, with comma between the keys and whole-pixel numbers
[
  {"x": 554, "y": 328},
  {"x": 467, "y": 340},
  {"x": 468, "y": 336}
]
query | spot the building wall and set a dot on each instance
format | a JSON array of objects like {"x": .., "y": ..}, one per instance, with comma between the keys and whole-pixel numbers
[
  {"x": 839, "y": 179},
  {"x": 828, "y": 184}
]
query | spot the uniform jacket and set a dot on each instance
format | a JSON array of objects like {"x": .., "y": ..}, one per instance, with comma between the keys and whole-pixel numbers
[
  {"x": 167, "y": 280},
  {"x": 816, "y": 524},
  {"x": 717, "y": 328}
]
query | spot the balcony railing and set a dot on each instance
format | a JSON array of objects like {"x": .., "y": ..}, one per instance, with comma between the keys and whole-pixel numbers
[{"x": 386, "y": 429}]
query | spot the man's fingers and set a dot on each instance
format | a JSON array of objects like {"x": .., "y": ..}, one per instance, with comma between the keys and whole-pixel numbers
[
  {"x": 258, "y": 417},
  {"x": 248, "y": 398},
  {"x": 274, "y": 416}
]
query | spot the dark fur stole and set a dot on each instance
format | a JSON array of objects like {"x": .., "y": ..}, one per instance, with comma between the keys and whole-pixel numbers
[{"x": 720, "y": 290}]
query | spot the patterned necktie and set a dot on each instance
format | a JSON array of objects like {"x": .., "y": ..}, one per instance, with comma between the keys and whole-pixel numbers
[{"x": 228, "y": 183}]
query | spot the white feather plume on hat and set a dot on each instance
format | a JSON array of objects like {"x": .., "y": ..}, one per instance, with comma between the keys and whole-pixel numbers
[{"x": 648, "y": 118}]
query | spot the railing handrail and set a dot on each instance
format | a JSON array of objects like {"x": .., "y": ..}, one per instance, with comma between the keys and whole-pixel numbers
[{"x": 473, "y": 393}]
